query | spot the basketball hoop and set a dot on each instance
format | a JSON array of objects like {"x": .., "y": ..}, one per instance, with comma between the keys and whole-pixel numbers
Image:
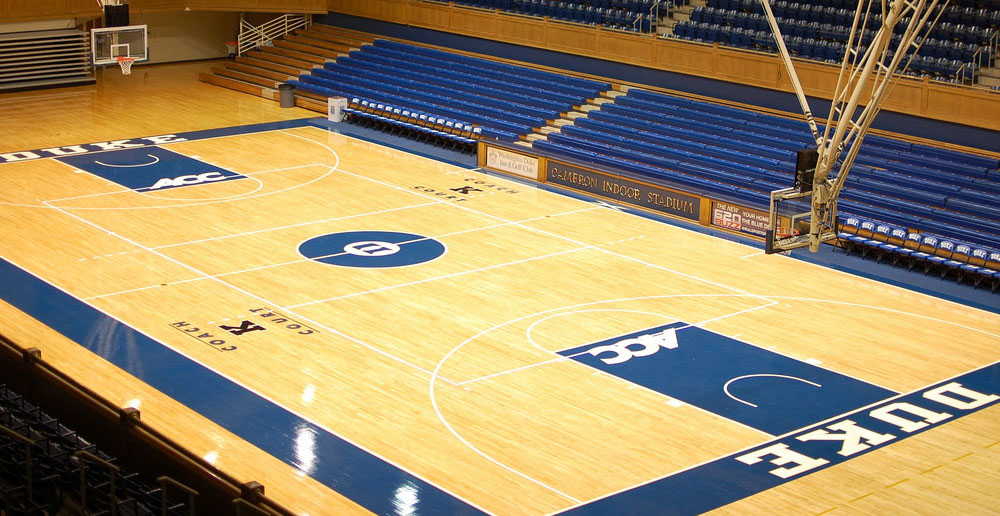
[
  {"x": 126, "y": 64},
  {"x": 232, "y": 47}
]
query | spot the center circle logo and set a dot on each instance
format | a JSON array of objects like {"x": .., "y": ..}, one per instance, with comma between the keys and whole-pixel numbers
[{"x": 371, "y": 249}]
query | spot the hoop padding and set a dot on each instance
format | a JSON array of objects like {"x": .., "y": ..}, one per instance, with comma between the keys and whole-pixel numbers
[{"x": 126, "y": 64}]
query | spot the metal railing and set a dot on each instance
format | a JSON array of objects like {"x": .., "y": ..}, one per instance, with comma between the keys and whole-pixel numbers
[
  {"x": 254, "y": 36},
  {"x": 28, "y": 444},
  {"x": 100, "y": 408}
]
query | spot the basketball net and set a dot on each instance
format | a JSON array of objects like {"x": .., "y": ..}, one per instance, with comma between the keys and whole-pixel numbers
[{"x": 126, "y": 64}]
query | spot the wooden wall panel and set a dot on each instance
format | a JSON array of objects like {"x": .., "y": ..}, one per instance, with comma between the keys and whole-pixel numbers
[
  {"x": 523, "y": 30},
  {"x": 14, "y": 10},
  {"x": 747, "y": 68},
  {"x": 21, "y": 9},
  {"x": 355, "y": 7},
  {"x": 627, "y": 48},
  {"x": 275, "y": 6},
  {"x": 82, "y": 7},
  {"x": 963, "y": 104},
  {"x": 295, "y": 6},
  {"x": 429, "y": 16},
  {"x": 571, "y": 37},
  {"x": 695, "y": 58},
  {"x": 908, "y": 95},
  {"x": 474, "y": 22},
  {"x": 396, "y": 11},
  {"x": 155, "y": 5},
  {"x": 234, "y": 5},
  {"x": 816, "y": 79}
]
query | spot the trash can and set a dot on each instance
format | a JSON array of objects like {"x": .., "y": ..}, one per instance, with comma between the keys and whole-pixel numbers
[{"x": 286, "y": 95}]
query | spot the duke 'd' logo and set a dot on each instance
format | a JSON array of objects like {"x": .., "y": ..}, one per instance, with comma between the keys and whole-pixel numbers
[{"x": 195, "y": 179}]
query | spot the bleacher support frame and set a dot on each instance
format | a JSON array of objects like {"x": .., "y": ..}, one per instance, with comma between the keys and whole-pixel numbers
[{"x": 77, "y": 406}]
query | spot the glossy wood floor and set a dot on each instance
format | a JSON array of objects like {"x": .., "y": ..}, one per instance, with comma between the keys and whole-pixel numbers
[{"x": 447, "y": 368}]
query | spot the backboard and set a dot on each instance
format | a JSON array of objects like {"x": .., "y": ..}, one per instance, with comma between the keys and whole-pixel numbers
[
  {"x": 796, "y": 220},
  {"x": 108, "y": 44}
]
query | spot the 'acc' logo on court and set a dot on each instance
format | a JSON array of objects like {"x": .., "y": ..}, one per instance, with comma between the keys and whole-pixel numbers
[{"x": 188, "y": 180}]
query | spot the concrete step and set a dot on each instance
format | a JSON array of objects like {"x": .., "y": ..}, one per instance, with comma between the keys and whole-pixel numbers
[
  {"x": 990, "y": 72},
  {"x": 989, "y": 81}
]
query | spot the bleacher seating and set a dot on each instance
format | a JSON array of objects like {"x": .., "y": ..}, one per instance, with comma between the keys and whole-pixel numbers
[
  {"x": 630, "y": 15},
  {"x": 55, "y": 469},
  {"x": 903, "y": 190},
  {"x": 962, "y": 42},
  {"x": 742, "y": 155},
  {"x": 499, "y": 100}
]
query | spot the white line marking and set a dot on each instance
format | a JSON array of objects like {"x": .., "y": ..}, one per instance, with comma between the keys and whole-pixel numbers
[
  {"x": 548, "y": 233},
  {"x": 300, "y": 224},
  {"x": 529, "y": 366},
  {"x": 156, "y": 159},
  {"x": 258, "y": 393},
  {"x": 204, "y": 275},
  {"x": 442, "y": 277},
  {"x": 756, "y": 445},
  {"x": 200, "y": 202},
  {"x": 725, "y": 387},
  {"x": 305, "y": 260}
]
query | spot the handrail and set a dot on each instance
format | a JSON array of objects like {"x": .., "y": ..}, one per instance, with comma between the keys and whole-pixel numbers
[
  {"x": 242, "y": 504},
  {"x": 253, "y": 36},
  {"x": 28, "y": 444},
  {"x": 164, "y": 481},
  {"x": 84, "y": 454}
]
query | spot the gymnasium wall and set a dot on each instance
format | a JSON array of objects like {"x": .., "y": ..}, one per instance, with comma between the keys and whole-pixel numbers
[
  {"x": 30, "y": 25},
  {"x": 745, "y": 92},
  {"x": 188, "y": 35},
  {"x": 83, "y": 10}
]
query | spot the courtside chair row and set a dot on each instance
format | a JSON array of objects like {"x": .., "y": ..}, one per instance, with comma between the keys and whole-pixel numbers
[
  {"x": 414, "y": 124},
  {"x": 322, "y": 88},
  {"x": 443, "y": 106},
  {"x": 898, "y": 245}
]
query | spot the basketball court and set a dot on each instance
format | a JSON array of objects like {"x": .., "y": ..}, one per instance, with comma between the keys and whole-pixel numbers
[{"x": 362, "y": 329}]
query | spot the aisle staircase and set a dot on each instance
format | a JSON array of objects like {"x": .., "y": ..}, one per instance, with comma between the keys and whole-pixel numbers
[
  {"x": 44, "y": 58},
  {"x": 259, "y": 72},
  {"x": 570, "y": 118}
]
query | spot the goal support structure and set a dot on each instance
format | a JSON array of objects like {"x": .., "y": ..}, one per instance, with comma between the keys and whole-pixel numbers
[{"x": 867, "y": 75}]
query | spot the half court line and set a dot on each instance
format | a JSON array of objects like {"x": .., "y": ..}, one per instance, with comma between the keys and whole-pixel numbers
[
  {"x": 544, "y": 232},
  {"x": 247, "y": 293},
  {"x": 306, "y": 260}
]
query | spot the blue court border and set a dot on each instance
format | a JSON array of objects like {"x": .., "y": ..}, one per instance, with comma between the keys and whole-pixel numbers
[{"x": 346, "y": 468}]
